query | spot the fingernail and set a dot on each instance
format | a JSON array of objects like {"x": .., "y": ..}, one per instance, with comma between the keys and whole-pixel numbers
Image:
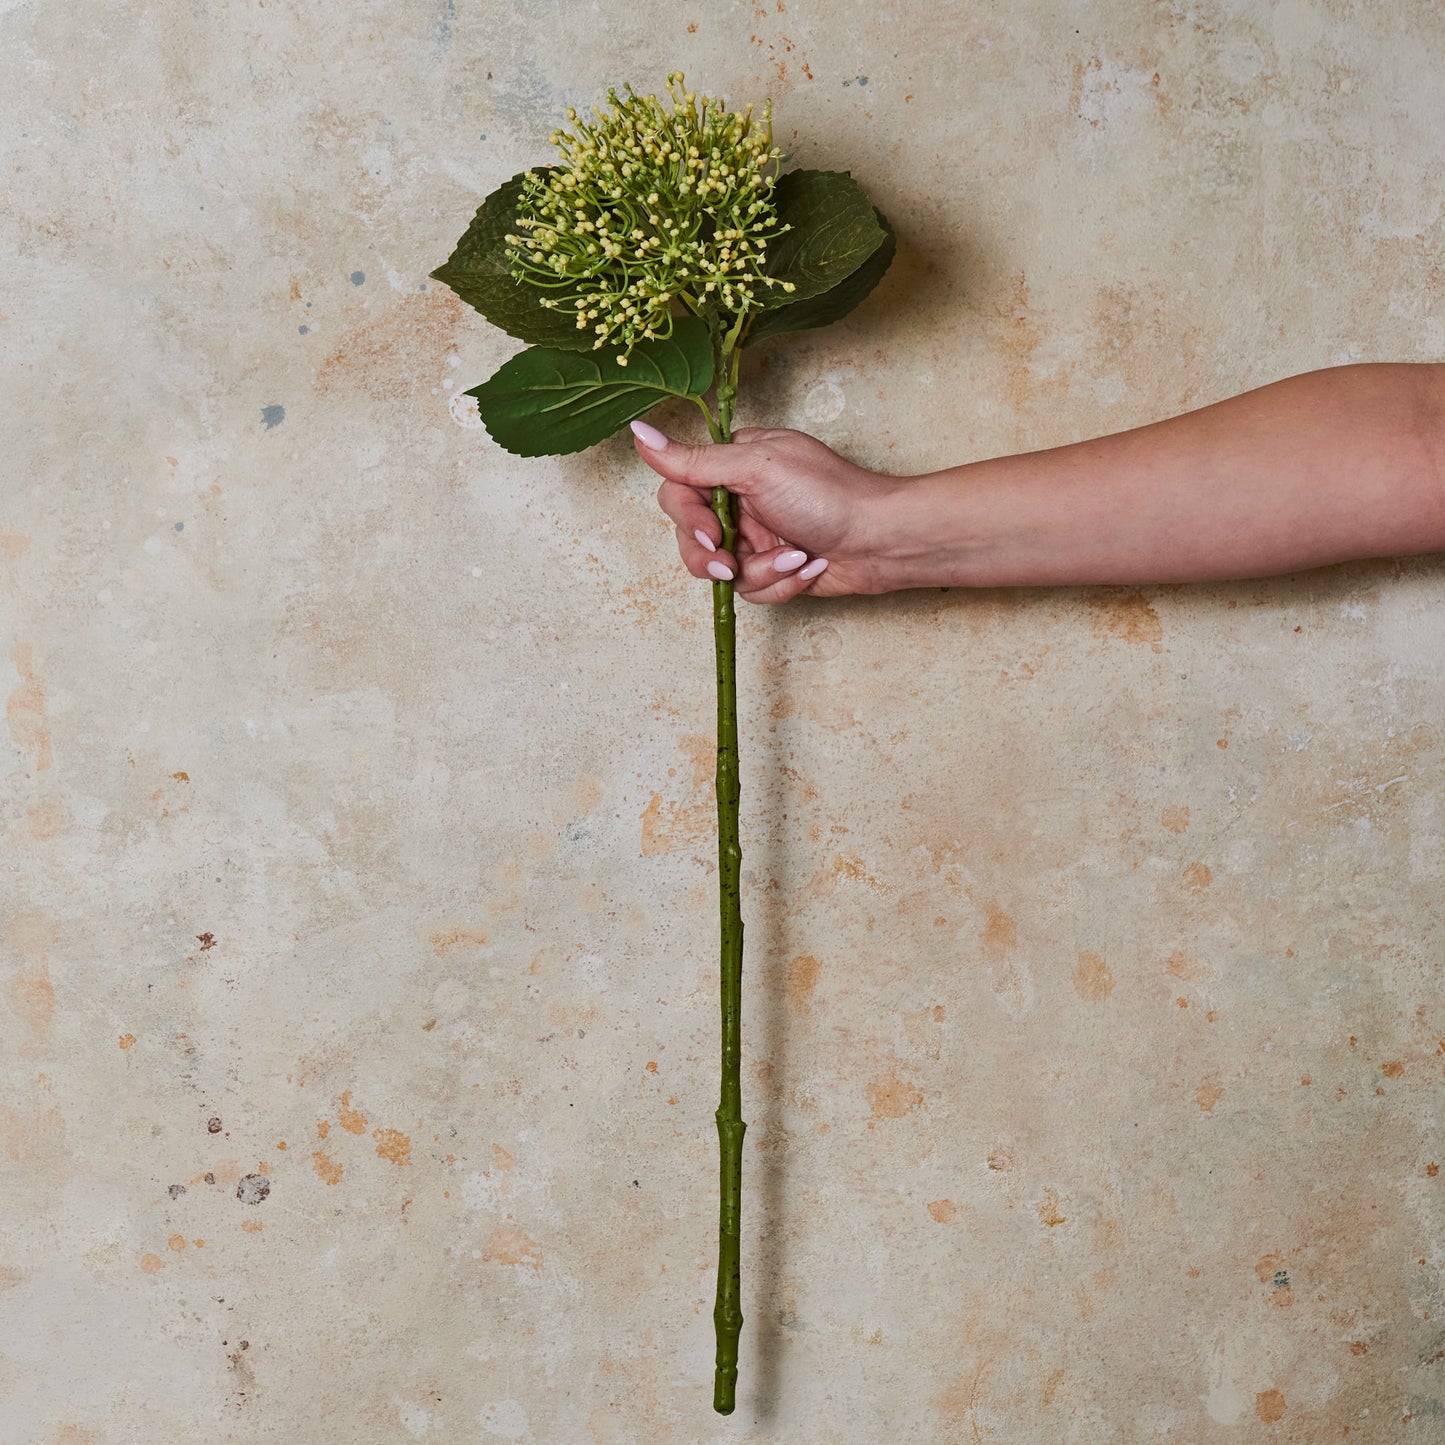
[
  {"x": 649, "y": 436},
  {"x": 705, "y": 540},
  {"x": 817, "y": 565},
  {"x": 721, "y": 572},
  {"x": 787, "y": 561}
]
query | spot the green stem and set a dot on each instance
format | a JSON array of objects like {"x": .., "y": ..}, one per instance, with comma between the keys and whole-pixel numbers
[{"x": 727, "y": 1312}]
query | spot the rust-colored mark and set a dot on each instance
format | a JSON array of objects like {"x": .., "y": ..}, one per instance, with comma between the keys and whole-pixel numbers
[
  {"x": 152, "y": 1263},
  {"x": 503, "y": 1160},
  {"x": 1269, "y": 1406},
  {"x": 1051, "y": 1386},
  {"x": 692, "y": 28},
  {"x": 892, "y": 1098},
  {"x": 1393, "y": 1069},
  {"x": 44, "y": 820},
  {"x": 1001, "y": 1160},
  {"x": 1209, "y": 1093},
  {"x": 25, "y": 710},
  {"x": 671, "y": 827},
  {"x": 1221, "y": 742},
  {"x": 1130, "y": 619},
  {"x": 252, "y": 1226},
  {"x": 1359, "y": 1347},
  {"x": 1431, "y": 1170},
  {"x": 1306, "y": 1080},
  {"x": 451, "y": 940},
  {"x": 392, "y": 1144},
  {"x": 945, "y": 1211},
  {"x": 651, "y": 1066},
  {"x": 323, "y": 1129},
  {"x": 14, "y": 544},
  {"x": 1181, "y": 965},
  {"x": 1198, "y": 877},
  {"x": 126, "y": 1041},
  {"x": 1000, "y": 933},
  {"x": 32, "y": 996},
  {"x": 1049, "y": 1209},
  {"x": 352, "y": 1120},
  {"x": 384, "y": 357},
  {"x": 1176, "y": 819},
  {"x": 509, "y": 1245},
  {"x": 803, "y": 971},
  {"x": 328, "y": 1168},
  {"x": 177, "y": 1242},
  {"x": 181, "y": 777},
  {"x": 1093, "y": 978},
  {"x": 206, "y": 940}
]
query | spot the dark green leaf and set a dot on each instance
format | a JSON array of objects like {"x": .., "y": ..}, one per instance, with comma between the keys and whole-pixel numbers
[
  {"x": 545, "y": 402},
  {"x": 477, "y": 272},
  {"x": 834, "y": 232},
  {"x": 832, "y": 305}
]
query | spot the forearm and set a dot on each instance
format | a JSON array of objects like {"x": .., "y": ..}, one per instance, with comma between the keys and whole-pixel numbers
[{"x": 1335, "y": 464}]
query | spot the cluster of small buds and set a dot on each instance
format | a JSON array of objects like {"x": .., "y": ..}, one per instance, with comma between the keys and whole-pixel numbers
[{"x": 648, "y": 206}]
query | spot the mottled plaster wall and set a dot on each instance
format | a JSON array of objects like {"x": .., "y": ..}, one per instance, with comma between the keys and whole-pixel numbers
[{"x": 357, "y": 1043}]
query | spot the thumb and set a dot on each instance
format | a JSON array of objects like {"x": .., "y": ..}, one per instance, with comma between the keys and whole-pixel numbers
[{"x": 701, "y": 467}]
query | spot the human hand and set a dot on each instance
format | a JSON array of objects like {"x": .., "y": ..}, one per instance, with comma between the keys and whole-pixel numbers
[{"x": 807, "y": 518}]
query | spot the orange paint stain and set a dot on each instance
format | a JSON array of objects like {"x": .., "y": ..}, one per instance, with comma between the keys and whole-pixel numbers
[
  {"x": 1182, "y": 966},
  {"x": 126, "y": 1041},
  {"x": 1176, "y": 819},
  {"x": 1393, "y": 1069},
  {"x": 651, "y": 1066},
  {"x": 152, "y": 1263},
  {"x": 945, "y": 1211},
  {"x": 25, "y": 710},
  {"x": 1129, "y": 619},
  {"x": 328, "y": 1168},
  {"x": 1000, "y": 933},
  {"x": 392, "y": 1144},
  {"x": 1269, "y": 1406},
  {"x": 1198, "y": 877},
  {"x": 323, "y": 1129},
  {"x": 1049, "y": 1209},
  {"x": 892, "y": 1098},
  {"x": 452, "y": 940},
  {"x": 512, "y": 1246},
  {"x": 1093, "y": 978},
  {"x": 32, "y": 996},
  {"x": 177, "y": 1242},
  {"x": 352, "y": 1120},
  {"x": 1209, "y": 1093},
  {"x": 803, "y": 971},
  {"x": 252, "y": 1226}
]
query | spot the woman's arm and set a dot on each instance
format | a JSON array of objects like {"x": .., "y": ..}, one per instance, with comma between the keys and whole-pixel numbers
[{"x": 1336, "y": 464}]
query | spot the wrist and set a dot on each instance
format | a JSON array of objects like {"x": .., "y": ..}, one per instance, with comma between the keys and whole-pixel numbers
[{"x": 925, "y": 532}]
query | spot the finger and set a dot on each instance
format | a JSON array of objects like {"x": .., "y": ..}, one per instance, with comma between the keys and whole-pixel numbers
[
  {"x": 700, "y": 559},
  {"x": 690, "y": 510},
  {"x": 763, "y": 569},
  {"x": 700, "y": 467},
  {"x": 754, "y": 536},
  {"x": 784, "y": 586}
]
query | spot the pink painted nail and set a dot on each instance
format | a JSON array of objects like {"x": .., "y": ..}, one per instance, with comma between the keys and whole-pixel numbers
[
  {"x": 720, "y": 571},
  {"x": 816, "y": 566},
  {"x": 649, "y": 436},
  {"x": 705, "y": 540},
  {"x": 787, "y": 561}
]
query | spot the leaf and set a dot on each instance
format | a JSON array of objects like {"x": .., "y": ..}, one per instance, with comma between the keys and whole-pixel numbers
[
  {"x": 834, "y": 231},
  {"x": 829, "y": 306},
  {"x": 478, "y": 272},
  {"x": 546, "y": 402}
]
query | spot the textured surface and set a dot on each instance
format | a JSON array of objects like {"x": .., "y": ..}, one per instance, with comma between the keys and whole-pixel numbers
[{"x": 357, "y": 1008}]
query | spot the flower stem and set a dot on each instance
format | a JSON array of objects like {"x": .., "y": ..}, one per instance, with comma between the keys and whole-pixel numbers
[{"x": 727, "y": 1312}]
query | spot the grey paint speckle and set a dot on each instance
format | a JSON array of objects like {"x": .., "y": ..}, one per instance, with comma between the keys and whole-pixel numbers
[
  {"x": 273, "y": 415},
  {"x": 358, "y": 278},
  {"x": 180, "y": 526},
  {"x": 304, "y": 330}
]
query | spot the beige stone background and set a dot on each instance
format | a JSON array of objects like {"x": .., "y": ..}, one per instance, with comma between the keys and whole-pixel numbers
[{"x": 357, "y": 1011}]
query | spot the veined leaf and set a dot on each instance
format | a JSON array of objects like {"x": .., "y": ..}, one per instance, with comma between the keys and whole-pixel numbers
[
  {"x": 829, "y": 306},
  {"x": 546, "y": 402},
  {"x": 834, "y": 231},
  {"x": 477, "y": 272}
]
